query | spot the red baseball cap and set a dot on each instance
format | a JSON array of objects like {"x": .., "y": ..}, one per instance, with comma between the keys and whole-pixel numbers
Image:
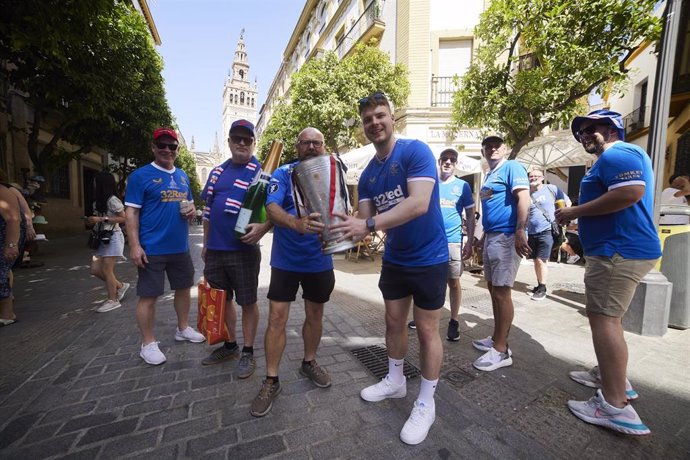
[{"x": 159, "y": 132}]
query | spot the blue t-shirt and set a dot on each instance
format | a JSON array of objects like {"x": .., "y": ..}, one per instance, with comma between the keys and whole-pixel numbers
[
  {"x": 422, "y": 241},
  {"x": 293, "y": 251},
  {"x": 221, "y": 235},
  {"x": 499, "y": 205},
  {"x": 546, "y": 196},
  {"x": 157, "y": 193},
  {"x": 629, "y": 232},
  {"x": 455, "y": 195}
]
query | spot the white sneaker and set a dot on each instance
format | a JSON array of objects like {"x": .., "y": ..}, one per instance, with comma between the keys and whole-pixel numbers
[
  {"x": 383, "y": 390},
  {"x": 108, "y": 305},
  {"x": 493, "y": 359},
  {"x": 592, "y": 379},
  {"x": 599, "y": 412},
  {"x": 190, "y": 335},
  {"x": 418, "y": 423},
  {"x": 152, "y": 354},
  {"x": 483, "y": 344},
  {"x": 122, "y": 291}
]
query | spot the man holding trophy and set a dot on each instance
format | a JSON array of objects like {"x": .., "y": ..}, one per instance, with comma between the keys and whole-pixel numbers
[
  {"x": 296, "y": 259},
  {"x": 399, "y": 193}
]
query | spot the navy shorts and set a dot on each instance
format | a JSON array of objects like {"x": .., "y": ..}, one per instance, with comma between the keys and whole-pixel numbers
[
  {"x": 178, "y": 267},
  {"x": 426, "y": 285},
  {"x": 541, "y": 244},
  {"x": 234, "y": 271},
  {"x": 316, "y": 287}
]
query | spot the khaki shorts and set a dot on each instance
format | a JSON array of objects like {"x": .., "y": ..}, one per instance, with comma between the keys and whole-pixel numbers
[
  {"x": 610, "y": 283},
  {"x": 454, "y": 260},
  {"x": 501, "y": 261}
]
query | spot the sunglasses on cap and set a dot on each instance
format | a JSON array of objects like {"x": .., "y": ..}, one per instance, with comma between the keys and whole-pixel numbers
[
  {"x": 376, "y": 98},
  {"x": 165, "y": 145},
  {"x": 241, "y": 140},
  {"x": 591, "y": 129}
]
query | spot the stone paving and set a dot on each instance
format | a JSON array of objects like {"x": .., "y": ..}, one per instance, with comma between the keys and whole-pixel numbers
[{"x": 72, "y": 384}]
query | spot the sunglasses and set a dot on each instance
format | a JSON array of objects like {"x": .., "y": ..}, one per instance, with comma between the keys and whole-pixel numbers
[
  {"x": 165, "y": 145},
  {"x": 316, "y": 144},
  {"x": 443, "y": 160},
  {"x": 376, "y": 98},
  {"x": 591, "y": 129},
  {"x": 241, "y": 140}
]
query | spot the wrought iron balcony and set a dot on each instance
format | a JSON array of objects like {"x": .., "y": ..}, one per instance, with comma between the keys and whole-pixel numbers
[
  {"x": 635, "y": 120},
  {"x": 367, "y": 25},
  {"x": 442, "y": 91}
]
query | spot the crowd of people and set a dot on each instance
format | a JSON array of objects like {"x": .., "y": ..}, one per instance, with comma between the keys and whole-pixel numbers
[{"x": 405, "y": 192}]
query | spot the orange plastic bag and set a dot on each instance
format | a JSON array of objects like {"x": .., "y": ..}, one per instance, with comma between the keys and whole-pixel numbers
[{"x": 211, "y": 316}]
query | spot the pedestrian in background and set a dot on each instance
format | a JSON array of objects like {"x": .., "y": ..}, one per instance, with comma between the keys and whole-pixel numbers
[
  {"x": 621, "y": 245},
  {"x": 12, "y": 236},
  {"x": 158, "y": 232},
  {"x": 399, "y": 194},
  {"x": 296, "y": 260},
  {"x": 232, "y": 263},
  {"x": 505, "y": 202},
  {"x": 540, "y": 236},
  {"x": 108, "y": 214},
  {"x": 456, "y": 200},
  {"x": 676, "y": 195}
]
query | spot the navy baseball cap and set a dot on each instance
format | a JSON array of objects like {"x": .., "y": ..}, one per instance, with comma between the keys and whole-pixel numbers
[
  {"x": 613, "y": 118},
  {"x": 246, "y": 124}
]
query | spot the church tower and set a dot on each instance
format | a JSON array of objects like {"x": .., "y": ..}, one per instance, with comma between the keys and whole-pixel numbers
[{"x": 239, "y": 94}]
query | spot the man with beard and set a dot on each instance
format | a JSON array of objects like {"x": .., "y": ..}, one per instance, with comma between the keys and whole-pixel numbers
[
  {"x": 296, "y": 259},
  {"x": 621, "y": 245},
  {"x": 398, "y": 193}
]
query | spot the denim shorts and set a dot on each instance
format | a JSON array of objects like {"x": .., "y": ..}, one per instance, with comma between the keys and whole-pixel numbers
[{"x": 540, "y": 244}]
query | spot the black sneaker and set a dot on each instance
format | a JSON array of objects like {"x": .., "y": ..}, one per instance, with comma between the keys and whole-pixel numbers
[
  {"x": 246, "y": 366},
  {"x": 453, "y": 333},
  {"x": 264, "y": 400},
  {"x": 412, "y": 325},
  {"x": 539, "y": 294},
  {"x": 220, "y": 355}
]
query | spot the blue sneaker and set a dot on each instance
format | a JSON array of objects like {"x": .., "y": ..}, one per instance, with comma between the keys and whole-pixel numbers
[{"x": 598, "y": 412}]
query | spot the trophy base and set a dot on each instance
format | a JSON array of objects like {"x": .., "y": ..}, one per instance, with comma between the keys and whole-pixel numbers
[{"x": 331, "y": 247}]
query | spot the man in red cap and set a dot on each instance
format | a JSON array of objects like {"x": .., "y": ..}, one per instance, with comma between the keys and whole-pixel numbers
[{"x": 159, "y": 207}]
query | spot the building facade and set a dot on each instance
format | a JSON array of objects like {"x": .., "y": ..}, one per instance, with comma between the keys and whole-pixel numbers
[
  {"x": 433, "y": 38},
  {"x": 239, "y": 93},
  {"x": 206, "y": 161}
]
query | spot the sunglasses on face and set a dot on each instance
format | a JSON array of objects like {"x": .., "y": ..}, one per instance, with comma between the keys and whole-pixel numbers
[
  {"x": 376, "y": 98},
  {"x": 316, "y": 144},
  {"x": 241, "y": 140},
  {"x": 591, "y": 129},
  {"x": 165, "y": 145},
  {"x": 443, "y": 160}
]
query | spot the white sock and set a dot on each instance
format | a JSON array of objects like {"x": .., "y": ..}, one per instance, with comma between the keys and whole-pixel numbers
[
  {"x": 395, "y": 371},
  {"x": 426, "y": 392}
]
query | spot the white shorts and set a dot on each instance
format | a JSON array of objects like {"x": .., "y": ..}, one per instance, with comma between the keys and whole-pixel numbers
[
  {"x": 115, "y": 248},
  {"x": 501, "y": 261}
]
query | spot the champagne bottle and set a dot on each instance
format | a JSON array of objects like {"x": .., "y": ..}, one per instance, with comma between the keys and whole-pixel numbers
[{"x": 253, "y": 210}]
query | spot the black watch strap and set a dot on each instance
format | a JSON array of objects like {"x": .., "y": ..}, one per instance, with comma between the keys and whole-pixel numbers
[{"x": 371, "y": 224}]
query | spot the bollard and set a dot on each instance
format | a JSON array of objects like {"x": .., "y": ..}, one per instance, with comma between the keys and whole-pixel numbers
[{"x": 649, "y": 308}]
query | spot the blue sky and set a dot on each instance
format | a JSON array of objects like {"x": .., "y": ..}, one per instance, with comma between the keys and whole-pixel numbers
[{"x": 199, "y": 38}]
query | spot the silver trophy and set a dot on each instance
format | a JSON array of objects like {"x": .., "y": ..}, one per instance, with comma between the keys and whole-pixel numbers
[{"x": 318, "y": 185}]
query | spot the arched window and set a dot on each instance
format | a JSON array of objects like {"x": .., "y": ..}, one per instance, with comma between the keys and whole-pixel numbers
[
  {"x": 241, "y": 74},
  {"x": 242, "y": 97}
]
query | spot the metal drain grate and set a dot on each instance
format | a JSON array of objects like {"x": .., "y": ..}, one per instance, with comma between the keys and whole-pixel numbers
[
  {"x": 375, "y": 359},
  {"x": 458, "y": 377}
]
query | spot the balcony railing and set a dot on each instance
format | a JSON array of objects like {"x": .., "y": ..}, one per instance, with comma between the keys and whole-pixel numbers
[
  {"x": 635, "y": 120},
  {"x": 442, "y": 91},
  {"x": 364, "y": 22}
]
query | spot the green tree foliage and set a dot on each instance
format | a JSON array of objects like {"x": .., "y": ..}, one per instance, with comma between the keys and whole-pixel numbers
[
  {"x": 89, "y": 70},
  {"x": 185, "y": 161},
  {"x": 324, "y": 94},
  {"x": 578, "y": 47}
]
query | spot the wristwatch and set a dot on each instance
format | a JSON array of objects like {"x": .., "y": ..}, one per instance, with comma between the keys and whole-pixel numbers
[
  {"x": 106, "y": 219},
  {"x": 11, "y": 245},
  {"x": 371, "y": 224}
]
